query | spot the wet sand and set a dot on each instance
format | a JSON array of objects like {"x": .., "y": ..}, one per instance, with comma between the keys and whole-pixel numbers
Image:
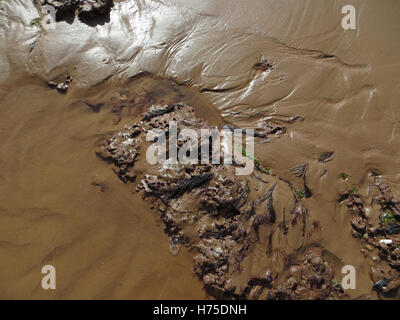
[
  {"x": 103, "y": 244},
  {"x": 110, "y": 244}
]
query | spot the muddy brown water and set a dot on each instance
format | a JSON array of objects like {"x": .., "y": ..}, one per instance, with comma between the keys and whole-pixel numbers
[
  {"x": 103, "y": 244},
  {"x": 109, "y": 243}
]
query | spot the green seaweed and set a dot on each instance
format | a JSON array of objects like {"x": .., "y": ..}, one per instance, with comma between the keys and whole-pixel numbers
[
  {"x": 300, "y": 193},
  {"x": 388, "y": 218},
  {"x": 266, "y": 170},
  {"x": 344, "y": 176},
  {"x": 35, "y": 22},
  {"x": 255, "y": 161},
  {"x": 353, "y": 190}
]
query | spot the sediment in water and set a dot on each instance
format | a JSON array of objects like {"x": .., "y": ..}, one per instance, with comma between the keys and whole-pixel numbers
[{"x": 249, "y": 64}]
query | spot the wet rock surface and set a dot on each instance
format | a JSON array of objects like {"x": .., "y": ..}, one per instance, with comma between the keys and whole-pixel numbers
[
  {"x": 349, "y": 102},
  {"x": 245, "y": 231},
  {"x": 97, "y": 6},
  {"x": 87, "y": 10},
  {"x": 122, "y": 150}
]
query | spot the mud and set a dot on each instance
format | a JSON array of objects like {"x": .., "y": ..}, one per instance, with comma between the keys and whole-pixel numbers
[
  {"x": 324, "y": 106},
  {"x": 228, "y": 220},
  {"x": 379, "y": 230}
]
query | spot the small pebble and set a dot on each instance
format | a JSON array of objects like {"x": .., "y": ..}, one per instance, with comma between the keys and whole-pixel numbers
[
  {"x": 369, "y": 247},
  {"x": 174, "y": 246}
]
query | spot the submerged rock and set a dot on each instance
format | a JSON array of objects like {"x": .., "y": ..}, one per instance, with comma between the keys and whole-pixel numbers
[
  {"x": 61, "y": 87},
  {"x": 98, "y": 6},
  {"x": 122, "y": 150},
  {"x": 86, "y": 9}
]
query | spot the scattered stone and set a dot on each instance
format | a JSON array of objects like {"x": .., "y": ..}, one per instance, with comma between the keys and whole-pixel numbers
[
  {"x": 381, "y": 234},
  {"x": 61, "y": 87},
  {"x": 326, "y": 157},
  {"x": 369, "y": 247},
  {"x": 264, "y": 65}
]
